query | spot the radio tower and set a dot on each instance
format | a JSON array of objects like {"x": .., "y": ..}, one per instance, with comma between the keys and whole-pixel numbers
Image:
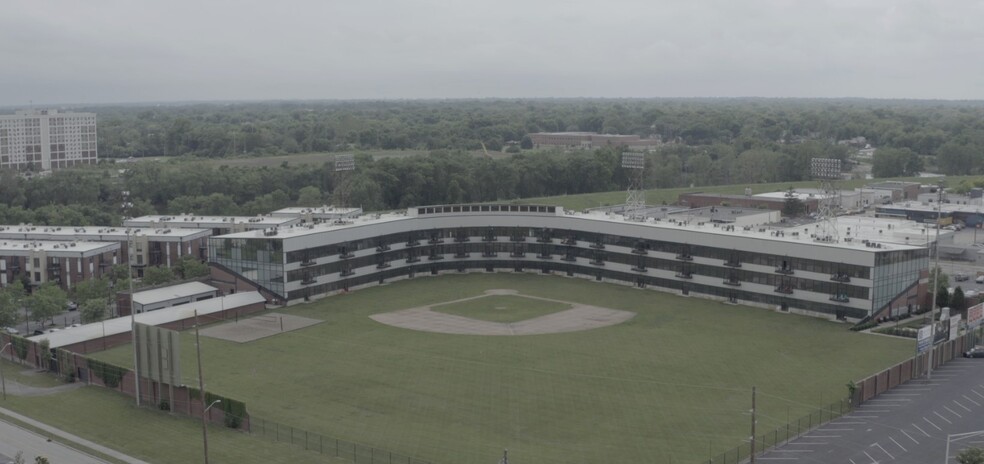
[
  {"x": 826, "y": 171},
  {"x": 634, "y": 165}
]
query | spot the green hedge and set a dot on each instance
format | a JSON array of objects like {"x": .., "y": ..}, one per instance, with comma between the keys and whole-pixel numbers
[
  {"x": 110, "y": 374},
  {"x": 235, "y": 410}
]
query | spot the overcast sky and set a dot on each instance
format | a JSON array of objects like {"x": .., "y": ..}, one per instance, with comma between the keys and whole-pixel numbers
[{"x": 96, "y": 51}]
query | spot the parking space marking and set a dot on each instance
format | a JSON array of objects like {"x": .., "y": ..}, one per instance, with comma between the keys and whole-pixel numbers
[
  {"x": 978, "y": 394},
  {"x": 941, "y": 417},
  {"x": 910, "y": 437},
  {"x": 897, "y": 444},
  {"x": 971, "y": 400},
  {"x": 921, "y": 430},
  {"x": 869, "y": 457},
  {"x": 883, "y": 450},
  {"x": 952, "y": 412},
  {"x": 962, "y": 406},
  {"x": 934, "y": 425}
]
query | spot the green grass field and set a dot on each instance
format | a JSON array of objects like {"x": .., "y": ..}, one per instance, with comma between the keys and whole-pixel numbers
[
  {"x": 674, "y": 383},
  {"x": 111, "y": 419},
  {"x": 501, "y": 308}
]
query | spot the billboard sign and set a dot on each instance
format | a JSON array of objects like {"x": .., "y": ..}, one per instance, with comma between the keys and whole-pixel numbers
[
  {"x": 975, "y": 315},
  {"x": 158, "y": 354},
  {"x": 923, "y": 338},
  {"x": 954, "y": 327}
]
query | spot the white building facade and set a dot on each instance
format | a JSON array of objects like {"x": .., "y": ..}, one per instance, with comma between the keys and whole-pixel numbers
[
  {"x": 785, "y": 270},
  {"x": 47, "y": 140}
]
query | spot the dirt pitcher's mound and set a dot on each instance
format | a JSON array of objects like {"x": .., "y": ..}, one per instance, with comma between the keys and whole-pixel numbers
[{"x": 579, "y": 317}]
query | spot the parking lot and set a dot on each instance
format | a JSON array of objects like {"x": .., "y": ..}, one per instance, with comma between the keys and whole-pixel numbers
[{"x": 907, "y": 425}]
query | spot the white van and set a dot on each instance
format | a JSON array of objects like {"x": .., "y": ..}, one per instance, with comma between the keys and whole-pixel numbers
[{"x": 980, "y": 279}]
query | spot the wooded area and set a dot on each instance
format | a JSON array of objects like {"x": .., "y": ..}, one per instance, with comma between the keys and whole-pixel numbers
[{"x": 712, "y": 142}]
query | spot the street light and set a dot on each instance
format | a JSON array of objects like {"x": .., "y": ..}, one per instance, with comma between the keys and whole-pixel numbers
[
  {"x": 3, "y": 380},
  {"x": 205, "y": 425}
]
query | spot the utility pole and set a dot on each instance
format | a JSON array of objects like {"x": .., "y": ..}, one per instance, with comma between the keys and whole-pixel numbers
[
  {"x": 752, "y": 453},
  {"x": 201, "y": 389},
  {"x": 936, "y": 280}
]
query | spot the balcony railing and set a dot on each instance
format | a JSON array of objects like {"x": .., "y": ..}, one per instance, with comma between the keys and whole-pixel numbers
[
  {"x": 784, "y": 270},
  {"x": 732, "y": 282},
  {"x": 382, "y": 248},
  {"x": 347, "y": 272},
  {"x": 732, "y": 264},
  {"x": 840, "y": 298},
  {"x": 840, "y": 278},
  {"x": 382, "y": 265},
  {"x": 685, "y": 275},
  {"x": 684, "y": 257},
  {"x": 784, "y": 289}
]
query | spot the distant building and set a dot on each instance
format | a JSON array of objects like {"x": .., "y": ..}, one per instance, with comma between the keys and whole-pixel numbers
[
  {"x": 64, "y": 263},
  {"x": 590, "y": 140},
  {"x": 47, "y": 140},
  {"x": 702, "y": 200},
  {"x": 219, "y": 225}
]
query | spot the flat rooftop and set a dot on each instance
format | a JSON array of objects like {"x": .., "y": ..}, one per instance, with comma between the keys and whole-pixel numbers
[
  {"x": 189, "y": 220},
  {"x": 800, "y": 234},
  {"x": 29, "y": 232},
  {"x": 317, "y": 211},
  {"x": 118, "y": 325},
  {"x": 717, "y": 213},
  {"x": 172, "y": 292},
  {"x": 931, "y": 207},
  {"x": 55, "y": 248}
]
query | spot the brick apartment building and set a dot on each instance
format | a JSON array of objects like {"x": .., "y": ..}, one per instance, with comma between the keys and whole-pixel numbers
[{"x": 66, "y": 263}]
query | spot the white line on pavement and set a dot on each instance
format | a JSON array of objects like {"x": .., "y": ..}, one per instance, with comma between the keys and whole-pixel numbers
[
  {"x": 952, "y": 411},
  {"x": 897, "y": 444},
  {"x": 910, "y": 437},
  {"x": 975, "y": 392},
  {"x": 971, "y": 400},
  {"x": 934, "y": 425},
  {"x": 921, "y": 430},
  {"x": 883, "y": 451},
  {"x": 869, "y": 457},
  {"x": 962, "y": 406},
  {"x": 941, "y": 417}
]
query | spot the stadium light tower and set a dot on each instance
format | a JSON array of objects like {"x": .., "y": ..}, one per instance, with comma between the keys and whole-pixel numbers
[
  {"x": 343, "y": 165},
  {"x": 826, "y": 171},
  {"x": 634, "y": 165}
]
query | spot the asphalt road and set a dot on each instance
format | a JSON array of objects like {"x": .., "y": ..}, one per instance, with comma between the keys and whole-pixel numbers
[
  {"x": 14, "y": 439},
  {"x": 905, "y": 425}
]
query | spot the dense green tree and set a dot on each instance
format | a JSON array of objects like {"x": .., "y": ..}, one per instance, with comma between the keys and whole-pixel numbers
[
  {"x": 47, "y": 301},
  {"x": 92, "y": 310},
  {"x": 896, "y": 162},
  {"x": 11, "y": 302},
  {"x": 958, "y": 303},
  {"x": 971, "y": 456},
  {"x": 793, "y": 207},
  {"x": 190, "y": 268},
  {"x": 157, "y": 276},
  {"x": 92, "y": 289},
  {"x": 310, "y": 196}
]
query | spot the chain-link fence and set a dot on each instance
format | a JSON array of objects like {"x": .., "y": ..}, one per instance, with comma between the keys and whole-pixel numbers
[
  {"x": 784, "y": 433},
  {"x": 328, "y": 446}
]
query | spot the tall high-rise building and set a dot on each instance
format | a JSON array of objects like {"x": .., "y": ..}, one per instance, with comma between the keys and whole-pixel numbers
[{"x": 47, "y": 139}]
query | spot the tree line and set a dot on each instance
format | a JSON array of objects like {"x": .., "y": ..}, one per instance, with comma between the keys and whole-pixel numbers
[{"x": 951, "y": 131}]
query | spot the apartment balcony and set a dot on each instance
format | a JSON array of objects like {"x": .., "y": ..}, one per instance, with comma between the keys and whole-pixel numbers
[
  {"x": 684, "y": 257},
  {"x": 732, "y": 264},
  {"x": 840, "y": 298},
  {"x": 382, "y": 248},
  {"x": 784, "y": 289},
  {"x": 784, "y": 270},
  {"x": 844, "y": 278},
  {"x": 346, "y": 273},
  {"x": 685, "y": 275},
  {"x": 382, "y": 265},
  {"x": 732, "y": 282},
  {"x": 435, "y": 257}
]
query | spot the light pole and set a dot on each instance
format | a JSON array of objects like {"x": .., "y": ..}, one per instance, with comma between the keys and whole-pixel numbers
[
  {"x": 205, "y": 424},
  {"x": 953, "y": 437},
  {"x": 3, "y": 380}
]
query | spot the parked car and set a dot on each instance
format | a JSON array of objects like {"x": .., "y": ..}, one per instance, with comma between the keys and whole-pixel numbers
[
  {"x": 71, "y": 305},
  {"x": 961, "y": 277},
  {"x": 975, "y": 352},
  {"x": 38, "y": 332},
  {"x": 980, "y": 279},
  {"x": 11, "y": 330}
]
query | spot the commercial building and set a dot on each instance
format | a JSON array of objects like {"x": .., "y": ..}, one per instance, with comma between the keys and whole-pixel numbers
[
  {"x": 318, "y": 214},
  {"x": 899, "y": 191},
  {"x": 165, "y": 297},
  {"x": 218, "y": 225},
  {"x": 590, "y": 140},
  {"x": 36, "y": 262},
  {"x": 152, "y": 247},
  {"x": 47, "y": 139},
  {"x": 785, "y": 269}
]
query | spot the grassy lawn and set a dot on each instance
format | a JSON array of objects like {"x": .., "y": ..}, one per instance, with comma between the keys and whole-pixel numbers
[
  {"x": 667, "y": 385},
  {"x": 112, "y": 420},
  {"x": 27, "y": 376},
  {"x": 502, "y": 308}
]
